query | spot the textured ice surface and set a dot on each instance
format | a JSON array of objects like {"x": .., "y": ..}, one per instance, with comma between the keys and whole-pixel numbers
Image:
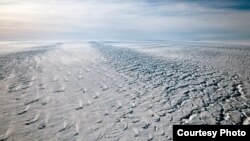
[{"x": 121, "y": 90}]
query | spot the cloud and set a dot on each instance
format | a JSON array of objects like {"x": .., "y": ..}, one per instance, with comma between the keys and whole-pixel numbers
[
  {"x": 120, "y": 19},
  {"x": 237, "y": 5}
]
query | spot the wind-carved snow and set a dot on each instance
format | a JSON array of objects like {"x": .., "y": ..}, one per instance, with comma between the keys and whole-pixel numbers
[{"x": 121, "y": 90}]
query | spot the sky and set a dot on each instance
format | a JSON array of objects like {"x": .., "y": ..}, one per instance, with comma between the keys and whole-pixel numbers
[{"x": 124, "y": 20}]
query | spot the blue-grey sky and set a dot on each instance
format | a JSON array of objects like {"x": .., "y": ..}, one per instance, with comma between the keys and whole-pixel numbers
[{"x": 124, "y": 20}]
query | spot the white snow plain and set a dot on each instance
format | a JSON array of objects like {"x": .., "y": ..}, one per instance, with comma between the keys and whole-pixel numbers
[{"x": 120, "y": 90}]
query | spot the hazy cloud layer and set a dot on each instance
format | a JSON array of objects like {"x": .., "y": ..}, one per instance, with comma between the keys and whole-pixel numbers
[{"x": 124, "y": 19}]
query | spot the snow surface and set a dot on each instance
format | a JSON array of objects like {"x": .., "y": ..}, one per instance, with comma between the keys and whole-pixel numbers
[{"x": 120, "y": 90}]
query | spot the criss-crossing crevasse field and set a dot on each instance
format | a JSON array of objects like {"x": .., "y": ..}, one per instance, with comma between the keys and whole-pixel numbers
[{"x": 121, "y": 90}]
